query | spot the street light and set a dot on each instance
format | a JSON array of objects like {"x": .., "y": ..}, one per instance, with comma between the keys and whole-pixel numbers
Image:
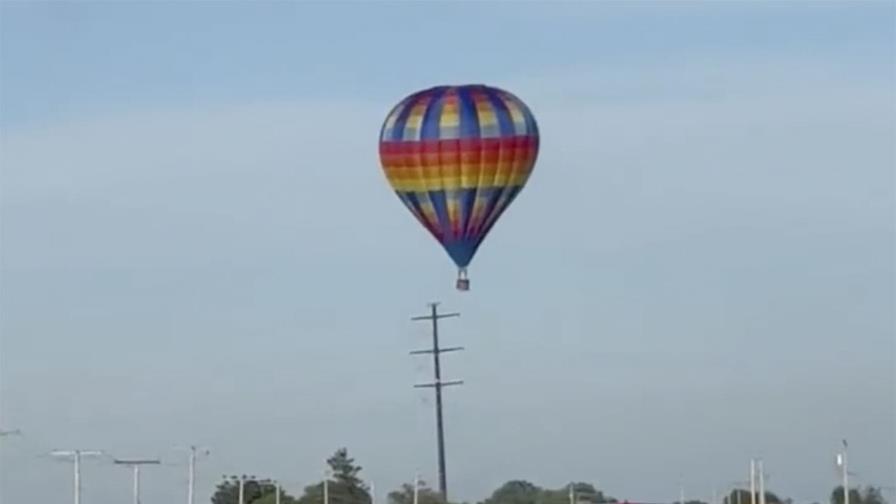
[
  {"x": 841, "y": 463},
  {"x": 75, "y": 456}
]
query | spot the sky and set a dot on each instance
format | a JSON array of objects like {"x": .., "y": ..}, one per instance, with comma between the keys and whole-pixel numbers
[{"x": 198, "y": 246}]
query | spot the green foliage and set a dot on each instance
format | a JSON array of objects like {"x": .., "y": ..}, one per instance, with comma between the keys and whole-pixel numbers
[
  {"x": 344, "y": 486},
  {"x": 515, "y": 492},
  {"x": 272, "y": 499},
  {"x": 742, "y": 496},
  {"x": 524, "y": 492},
  {"x": 868, "y": 495},
  {"x": 405, "y": 494},
  {"x": 255, "y": 491},
  {"x": 344, "y": 470}
]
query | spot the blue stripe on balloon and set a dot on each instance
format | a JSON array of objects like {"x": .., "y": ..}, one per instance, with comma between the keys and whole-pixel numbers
[
  {"x": 491, "y": 195},
  {"x": 466, "y": 198},
  {"x": 531, "y": 124},
  {"x": 469, "y": 119},
  {"x": 411, "y": 199},
  {"x": 502, "y": 113},
  {"x": 401, "y": 121},
  {"x": 440, "y": 205},
  {"x": 386, "y": 134},
  {"x": 432, "y": 115},
  {"x": 509, "y": 194}
]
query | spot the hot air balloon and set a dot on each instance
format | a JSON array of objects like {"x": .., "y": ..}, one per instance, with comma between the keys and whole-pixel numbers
[{"x": 457, "y": 157}]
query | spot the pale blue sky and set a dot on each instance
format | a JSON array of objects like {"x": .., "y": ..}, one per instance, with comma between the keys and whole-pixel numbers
[{"x": 198, "y": 245}]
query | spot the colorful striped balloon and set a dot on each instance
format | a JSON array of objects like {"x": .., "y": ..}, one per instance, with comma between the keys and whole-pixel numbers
[{"x": 458, "y": 156}]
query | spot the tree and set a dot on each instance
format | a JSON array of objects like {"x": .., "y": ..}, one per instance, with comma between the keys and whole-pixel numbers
[
  {"x": 584, "y": 493},
  {"x": 873, "y": 495},
  {"x": 870, "y": 495},
  {"x": 255, "y": 491},
  {"x": 742, "y": 496},
  {"x": 271, "y": 498},
  {"x": 343, "y": 484},
  {"x": 738, "y": 496},
  {"x": 405, "y": 494},
  {"x": 515, "y": 492},
  {"x": 524, "y": 492},
  {"x": 344, "y": 470}
]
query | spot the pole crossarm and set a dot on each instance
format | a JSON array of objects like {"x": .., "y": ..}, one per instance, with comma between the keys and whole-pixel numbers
[
  {"x": 434, "y": 315},
  {"x": 441, "y": 350},
  {"x": 439, "y": 384}
]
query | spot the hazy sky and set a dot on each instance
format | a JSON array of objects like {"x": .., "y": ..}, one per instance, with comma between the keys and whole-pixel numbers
[{"x": 198, "y": 246}]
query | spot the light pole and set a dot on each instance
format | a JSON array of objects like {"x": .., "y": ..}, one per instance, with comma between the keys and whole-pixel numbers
[
  {"x": 416, "y": 488},
  {"x": 841, "y": 463},
  {"x": 194, "y": 451},
  {"x": 327, "y": 486},
  {"x": 752, "y": 481},
  {"x": 76, "y": 458},
  {"x": 736, "y": 487},
  {"x": 135, "y": 466},
  {"x": 761, "y": 483}
]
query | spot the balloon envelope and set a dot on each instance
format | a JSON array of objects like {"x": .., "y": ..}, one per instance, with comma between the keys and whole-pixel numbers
[{"x": 457, "y": 157}]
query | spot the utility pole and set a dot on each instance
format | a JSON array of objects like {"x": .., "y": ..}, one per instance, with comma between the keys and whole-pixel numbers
[
  {"x": 277, "y": 495},
  {"x": 438, "y": 384},
  {"x": 135, "y": 466},
  {"x": 76, "y": 459}
]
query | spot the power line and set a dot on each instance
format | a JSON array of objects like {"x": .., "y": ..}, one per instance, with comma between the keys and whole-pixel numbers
[{"x": 438, "y": 384}]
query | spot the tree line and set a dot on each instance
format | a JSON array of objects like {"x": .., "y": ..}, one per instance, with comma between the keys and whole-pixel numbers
[{"x": 345, "y": 486}]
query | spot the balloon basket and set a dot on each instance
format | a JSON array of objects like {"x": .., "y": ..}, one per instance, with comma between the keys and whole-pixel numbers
[{"x": 463, "y": 283}]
